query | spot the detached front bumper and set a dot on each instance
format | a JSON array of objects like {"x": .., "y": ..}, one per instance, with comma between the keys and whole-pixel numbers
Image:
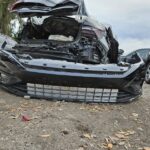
[{"x": 61, "y": 80}]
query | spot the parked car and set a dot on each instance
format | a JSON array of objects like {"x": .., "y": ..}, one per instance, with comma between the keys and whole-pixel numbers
[
  {"x": 145, "y": 55},
  {"x": 63, "y": 54}
]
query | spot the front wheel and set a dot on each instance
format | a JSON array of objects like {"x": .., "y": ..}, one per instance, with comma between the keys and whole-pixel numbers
[{"x": 147, "y": 75}]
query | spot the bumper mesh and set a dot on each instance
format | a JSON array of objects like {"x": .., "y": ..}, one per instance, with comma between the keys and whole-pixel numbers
[{"x": 72, "y": 93}]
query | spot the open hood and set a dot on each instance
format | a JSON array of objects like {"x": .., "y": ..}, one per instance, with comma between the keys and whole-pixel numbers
[{"x": 49, "y": 7}]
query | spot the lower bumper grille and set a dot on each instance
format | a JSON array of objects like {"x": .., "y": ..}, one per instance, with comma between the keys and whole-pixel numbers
[{"x": 95, "y": 95}]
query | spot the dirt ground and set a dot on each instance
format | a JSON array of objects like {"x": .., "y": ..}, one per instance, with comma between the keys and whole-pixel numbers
[{"x": 71, "y": 126}]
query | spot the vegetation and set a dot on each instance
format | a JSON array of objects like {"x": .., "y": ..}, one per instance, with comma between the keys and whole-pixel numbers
[{"x": 6, "y": 26}]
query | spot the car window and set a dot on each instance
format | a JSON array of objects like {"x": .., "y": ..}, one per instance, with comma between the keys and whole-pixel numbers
[
  {"x": 130, "y": 55},
  {"x": 144, "y": 53}
]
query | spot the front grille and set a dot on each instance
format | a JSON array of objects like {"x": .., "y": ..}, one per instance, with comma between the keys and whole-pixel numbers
[{"x": 95, "y": 95}]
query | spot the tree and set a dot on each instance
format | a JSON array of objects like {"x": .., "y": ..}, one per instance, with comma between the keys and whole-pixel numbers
[{"x": 5, "y": 17}]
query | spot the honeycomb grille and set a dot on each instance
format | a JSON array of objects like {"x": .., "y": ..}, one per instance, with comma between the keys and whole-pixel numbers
[{"x": 77, "y": 94}]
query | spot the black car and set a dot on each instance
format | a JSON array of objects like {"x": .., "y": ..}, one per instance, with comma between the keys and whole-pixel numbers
[
  {"x": 61, "y": 53},
  {"x": 145, "y": 55}
]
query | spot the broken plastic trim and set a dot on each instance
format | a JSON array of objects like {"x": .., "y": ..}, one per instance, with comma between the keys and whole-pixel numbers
[{"x": 4, "y": 45}]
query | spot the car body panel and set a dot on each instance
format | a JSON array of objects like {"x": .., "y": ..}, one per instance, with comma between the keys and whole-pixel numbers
[
  {"x": 49, "y": 7},
  {"x": 126, "y": 79}
]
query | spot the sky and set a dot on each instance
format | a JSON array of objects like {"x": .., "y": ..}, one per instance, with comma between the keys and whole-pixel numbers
[{"x": 129, "y": 20}]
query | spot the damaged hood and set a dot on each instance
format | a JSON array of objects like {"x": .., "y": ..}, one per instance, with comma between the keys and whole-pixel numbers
[{"x": 49, "y": 7}]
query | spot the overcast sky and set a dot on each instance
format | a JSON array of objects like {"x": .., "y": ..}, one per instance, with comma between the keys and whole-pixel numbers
[{"x": 129, "y": 19}]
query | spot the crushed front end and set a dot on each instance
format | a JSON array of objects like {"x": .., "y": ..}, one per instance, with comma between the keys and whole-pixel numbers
[{"x": 58, "y": 80}]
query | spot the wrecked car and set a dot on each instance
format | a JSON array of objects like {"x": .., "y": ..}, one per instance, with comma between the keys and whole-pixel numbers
[{"x": 63, "y": 54}]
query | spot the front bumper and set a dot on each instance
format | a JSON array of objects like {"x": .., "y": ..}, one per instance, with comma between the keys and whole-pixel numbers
[{"x": 60, "y": 80}]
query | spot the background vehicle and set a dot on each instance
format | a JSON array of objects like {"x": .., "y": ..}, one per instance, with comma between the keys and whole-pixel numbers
[{"x": 145, "y": 55}]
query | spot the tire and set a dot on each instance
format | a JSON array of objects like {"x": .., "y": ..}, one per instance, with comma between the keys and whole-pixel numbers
[{"x": 147, "y": 74}]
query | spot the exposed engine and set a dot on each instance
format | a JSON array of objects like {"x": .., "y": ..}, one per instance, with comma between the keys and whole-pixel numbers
[
  {"x": 84, "y": 51},
  {"x": 60, "y": 39}
]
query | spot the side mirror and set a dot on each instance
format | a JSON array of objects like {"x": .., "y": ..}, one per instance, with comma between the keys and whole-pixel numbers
[{"x": 120, "y": 51}]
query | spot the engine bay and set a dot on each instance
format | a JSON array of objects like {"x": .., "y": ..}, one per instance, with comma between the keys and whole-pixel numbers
[
  {"x": 60, "y": 39},
  {"x": 84, "y": 51}
]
